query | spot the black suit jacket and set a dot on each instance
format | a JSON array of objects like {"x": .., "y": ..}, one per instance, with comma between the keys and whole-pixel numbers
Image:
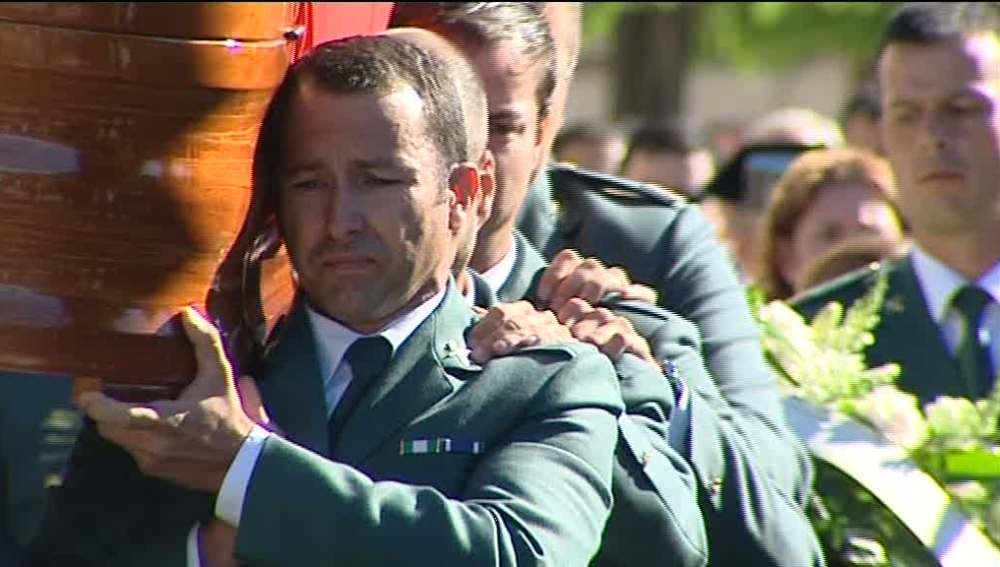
[{"x": 906, "y": 334}]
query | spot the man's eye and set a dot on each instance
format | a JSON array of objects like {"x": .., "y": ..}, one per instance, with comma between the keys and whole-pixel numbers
[
  {"x": 903, "y": 116},
  {"x": 963, "y": 107},
  {"x": 507, "y": 129},
  {"x": 372, "y": 179},
  {"x": 306, "y": 184}
]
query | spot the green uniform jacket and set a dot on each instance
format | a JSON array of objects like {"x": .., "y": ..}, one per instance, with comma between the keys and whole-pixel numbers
[
  {"x": 752, "y": 509},
  {"x": 906, "y": 333},
  {"x": 668, "y": 244},
  {"x": 409, "y": 484},
  {"x": 750, "y": 515},
  {"x": 655, "y": 513},
  {"x": 38, "y": 426},
  {"x": 663, "y": 242}
]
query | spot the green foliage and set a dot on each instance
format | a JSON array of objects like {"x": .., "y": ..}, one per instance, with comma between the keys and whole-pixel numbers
[
  {"x": 765, "y": 35},
  {"x": 825, "y": 359},
  {"x": 601, "y": 18},
  {"x": 952, "y": 439}
]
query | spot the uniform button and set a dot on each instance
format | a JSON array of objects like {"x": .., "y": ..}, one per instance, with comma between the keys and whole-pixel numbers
[
  {"x": 53, "y": 480},
  {"x": 715, "y": 487}
]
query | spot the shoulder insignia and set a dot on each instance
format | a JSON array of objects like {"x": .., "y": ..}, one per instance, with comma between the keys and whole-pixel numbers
[
  {"x": 638, "y": 194},
  {"x": 614, "y": 187},
  {"x": 551, "y": 352},
  {"x": 456, "y": 355}
]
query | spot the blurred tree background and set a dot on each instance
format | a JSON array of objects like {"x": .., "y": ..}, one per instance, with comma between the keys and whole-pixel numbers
[{"x": 655, "y": 44}]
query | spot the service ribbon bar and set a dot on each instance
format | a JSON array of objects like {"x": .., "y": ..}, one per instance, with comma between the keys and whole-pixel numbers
[{"x": 438, "y": 445}]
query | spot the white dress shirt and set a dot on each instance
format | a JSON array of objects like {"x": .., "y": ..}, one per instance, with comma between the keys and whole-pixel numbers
[
  {"x": 332, "y": 341},
  {"x": 939, "y": 283}
]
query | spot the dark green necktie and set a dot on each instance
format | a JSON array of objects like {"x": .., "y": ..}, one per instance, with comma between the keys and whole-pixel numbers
[
  {"x": 367, "y": 357},
  {"x": 974, "y": 363}
]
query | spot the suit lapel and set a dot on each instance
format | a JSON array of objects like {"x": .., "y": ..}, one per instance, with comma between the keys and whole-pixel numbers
[
  {"x": 538, "y": 214},
  {"x": 484, "y": 294},
  {"x": 568, "y": 220},
  {"x": 292, "y": 388},
  {"x": 524, "y": 276},
  {"x": 413, "y": 383},
  {"x": 908, "y": 335}
]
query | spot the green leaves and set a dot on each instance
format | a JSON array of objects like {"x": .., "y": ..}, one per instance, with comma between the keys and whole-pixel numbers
[
  {"x": 952, "y": 439},
  {"x": 958, "y": 423},
  {"x": 825, "y": 359},
  {"x": 765, "y": 35}
]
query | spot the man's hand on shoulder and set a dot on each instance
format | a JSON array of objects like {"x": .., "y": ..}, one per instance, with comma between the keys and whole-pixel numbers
[
  {"x": 612, "y": 334},
  {"x": 509, "y": 327},
  {"x": 570, "y": 275}
]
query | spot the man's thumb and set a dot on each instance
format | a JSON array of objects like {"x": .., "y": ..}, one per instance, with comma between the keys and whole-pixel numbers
[{"x": 214, "y": 374}]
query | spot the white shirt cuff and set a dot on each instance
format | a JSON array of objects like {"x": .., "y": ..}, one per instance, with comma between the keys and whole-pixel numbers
[
  {"x": 229, "y": 502},
  {"x": 193, "y": 557}
]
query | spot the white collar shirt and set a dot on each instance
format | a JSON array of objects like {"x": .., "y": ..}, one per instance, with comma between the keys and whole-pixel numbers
[
  {"x": 333, "y": 339},
  {"x": 939, "y": 283}
]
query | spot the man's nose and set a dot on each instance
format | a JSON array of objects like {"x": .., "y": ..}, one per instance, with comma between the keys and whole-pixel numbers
[
  {"x": 346, "y": 214},
  {"x": 938, "y": 130}
]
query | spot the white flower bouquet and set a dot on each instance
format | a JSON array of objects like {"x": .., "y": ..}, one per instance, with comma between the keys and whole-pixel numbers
[{"x": 953, "y": 440}]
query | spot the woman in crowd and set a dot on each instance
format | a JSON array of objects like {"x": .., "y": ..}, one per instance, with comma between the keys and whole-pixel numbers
[{"x": 825, "y": 197}]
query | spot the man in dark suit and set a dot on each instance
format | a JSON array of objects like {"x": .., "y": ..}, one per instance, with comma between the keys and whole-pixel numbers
[
  {"x": 754, "y": 477},
  {"x": 939, "y": 71},
  {"x": 428, "y": 457}
]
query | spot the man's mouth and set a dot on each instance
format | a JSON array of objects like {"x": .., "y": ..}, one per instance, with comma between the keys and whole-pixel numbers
[
  {"x": 942, "y": 175},
  {"x": 346, "y": 264}
]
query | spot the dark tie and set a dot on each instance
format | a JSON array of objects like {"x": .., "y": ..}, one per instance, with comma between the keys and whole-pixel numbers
[
  {"x": 973, "y": 354},
  {"x": 367, "y": 357}
]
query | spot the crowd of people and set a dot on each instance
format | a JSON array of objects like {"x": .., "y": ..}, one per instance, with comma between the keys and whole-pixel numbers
[
  {"x": 799, "y": 189},
  {"x": 497, "y": 358}
]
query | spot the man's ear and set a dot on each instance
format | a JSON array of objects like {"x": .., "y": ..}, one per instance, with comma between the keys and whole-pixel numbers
[
  {"x": 487, "y": 187},
  {"x": 463, "y": 188},
  {"x": 545, "y": 124},
  {"x": 464, "y": 183}
]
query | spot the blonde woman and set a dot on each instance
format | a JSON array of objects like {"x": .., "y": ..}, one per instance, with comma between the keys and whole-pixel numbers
[{"x": 825, "y": 197}]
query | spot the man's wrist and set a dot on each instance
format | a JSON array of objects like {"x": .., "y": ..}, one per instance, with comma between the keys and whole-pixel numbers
[{"x": 229, "y": 501}]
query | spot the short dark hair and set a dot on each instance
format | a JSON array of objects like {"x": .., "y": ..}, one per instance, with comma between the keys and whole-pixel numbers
[
  {"x": 485, "y": 24},
  {"x": 580, "y": 132},
  {"x": 865, "y": 101},
  {"x": 657, "y": 138},
  {"x": 375, "y": 64},
  {"x": 924, "y": 23}
]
